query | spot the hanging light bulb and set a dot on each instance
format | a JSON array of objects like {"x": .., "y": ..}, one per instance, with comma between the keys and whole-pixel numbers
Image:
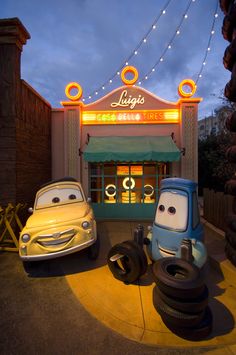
[
  {"x": 145, "y": 40},
  {"x": 154, "y": 27},
  {"x": 135, "y": 52}
]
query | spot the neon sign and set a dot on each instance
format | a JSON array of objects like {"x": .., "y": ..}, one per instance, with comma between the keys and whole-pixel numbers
[
  {"x": 128, "y": 101},
  {"x": 130, "y": 117}
]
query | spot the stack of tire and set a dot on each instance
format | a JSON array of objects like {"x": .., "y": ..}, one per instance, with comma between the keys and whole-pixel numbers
[
  {"x": 229, "y": 34},
  {"x": 230, "y": 239},
  {"x": 229, "y": 60},
  {"x": 130, "y": 263},
  {"x": 181, "y": 298}
]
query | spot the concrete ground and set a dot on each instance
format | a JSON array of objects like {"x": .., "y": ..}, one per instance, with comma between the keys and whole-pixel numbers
[{"x": 75, "y": 306}]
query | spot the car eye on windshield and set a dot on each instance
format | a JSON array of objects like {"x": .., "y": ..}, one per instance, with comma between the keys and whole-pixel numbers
[
  {"x": 162, "y": 208},
  {"x": 55, "y": 200},
  {"x": 72, "y": 197},
  {"x": 172, "y": 210}
]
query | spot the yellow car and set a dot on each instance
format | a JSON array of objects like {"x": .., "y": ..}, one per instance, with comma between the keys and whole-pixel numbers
[{"x": 62, "y": 222}]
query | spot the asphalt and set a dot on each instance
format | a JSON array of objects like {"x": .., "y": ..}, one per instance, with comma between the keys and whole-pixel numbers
[{"x": 75, "y": 306}]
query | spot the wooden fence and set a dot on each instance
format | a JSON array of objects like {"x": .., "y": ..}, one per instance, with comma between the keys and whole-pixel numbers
[{"x": 216, "y": 206}]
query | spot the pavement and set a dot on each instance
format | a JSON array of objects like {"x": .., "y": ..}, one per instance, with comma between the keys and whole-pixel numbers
[{"x": 74, "y": 306}]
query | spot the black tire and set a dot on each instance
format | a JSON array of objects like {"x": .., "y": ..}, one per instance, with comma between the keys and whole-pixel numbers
[
  {"x": 189, "y": 306},
  {"x": 230, "y": 253},
  {"x": 231, "y": 154},
  {"x": 230, "y": 122},
  {"x": 196, "y": 333},
  {"x": 31, "y": 266},
  {"x": 130, "y": 270},
  {"x": 175, "y": 317},
  {"x": 230, "y": 187},
  {"x": 224, "y": 5},
  {"x": 227, "y": 29},
  {"x": 93, "y": 250},
  {"x": 178, "y": 278},
  {"x": 230, "y": 237},
  {"x": 141, "y": 253},
  {"x": 231, "y": 222},
  {"x": 230, "y": 88}
]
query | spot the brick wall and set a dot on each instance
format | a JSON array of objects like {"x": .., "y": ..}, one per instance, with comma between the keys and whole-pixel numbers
[
  {"x": 33, "y": 144},
  {"x": 25, "y": 123}
]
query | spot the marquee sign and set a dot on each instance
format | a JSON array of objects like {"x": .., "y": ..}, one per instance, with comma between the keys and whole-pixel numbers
[{"x": 130, "y": 117}]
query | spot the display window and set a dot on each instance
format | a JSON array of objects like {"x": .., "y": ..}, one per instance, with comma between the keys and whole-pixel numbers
[{"x": 125, "y": 183}]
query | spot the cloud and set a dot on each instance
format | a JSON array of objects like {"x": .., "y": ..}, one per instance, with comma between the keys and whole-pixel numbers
[{"x": 88, "y": 40}]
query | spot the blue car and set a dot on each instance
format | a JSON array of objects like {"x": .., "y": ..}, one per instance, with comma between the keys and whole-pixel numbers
[{"x": 177, "y": 230}]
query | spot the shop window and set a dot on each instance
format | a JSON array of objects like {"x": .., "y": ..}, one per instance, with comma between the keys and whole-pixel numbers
[{"x": 126, "y": 183}]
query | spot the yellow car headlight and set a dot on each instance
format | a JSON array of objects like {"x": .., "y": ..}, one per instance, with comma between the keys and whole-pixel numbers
[
  {"x": 86, "y": 225},
  {"x": 25, "y": 238}
]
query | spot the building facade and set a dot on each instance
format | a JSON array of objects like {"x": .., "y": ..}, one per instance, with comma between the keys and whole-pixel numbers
[{"x": 121, "y": 146}]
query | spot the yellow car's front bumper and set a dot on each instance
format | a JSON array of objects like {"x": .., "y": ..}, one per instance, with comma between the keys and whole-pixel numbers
[{"x": 56, "y": 254}]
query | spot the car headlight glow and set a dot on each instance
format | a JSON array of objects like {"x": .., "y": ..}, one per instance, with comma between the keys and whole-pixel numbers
[
  {"x": 25, "y": 238},
  {"x": 86, "y": 225}
]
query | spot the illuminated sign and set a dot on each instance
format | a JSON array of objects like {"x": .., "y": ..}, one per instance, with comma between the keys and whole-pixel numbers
[
  {"x": 126, "y": 100},
  {"x": 134, "y": 170},
  {"x": 130, "y": 117}
]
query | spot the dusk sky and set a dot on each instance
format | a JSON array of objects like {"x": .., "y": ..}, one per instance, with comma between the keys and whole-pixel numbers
[{"x": 88, "y": 41}]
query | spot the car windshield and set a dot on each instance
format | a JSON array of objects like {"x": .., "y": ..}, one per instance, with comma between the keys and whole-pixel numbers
[
  {"x": 172, "y": 210},
  {"x": 59, "y": 196}
]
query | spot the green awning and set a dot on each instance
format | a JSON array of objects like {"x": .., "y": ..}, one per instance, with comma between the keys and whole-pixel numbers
[{"x": 131, "y": 149}]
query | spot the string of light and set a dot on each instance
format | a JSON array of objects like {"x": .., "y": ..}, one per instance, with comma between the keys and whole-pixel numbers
[
  {"x": 169, "y": 45},
  {"x": 136, "y": 51},
  {"x": 165, "y": 51},
  {"x": 208, "y": 48}
]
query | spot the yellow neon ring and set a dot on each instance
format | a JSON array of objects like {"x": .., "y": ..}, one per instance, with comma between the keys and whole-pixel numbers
[
  {"x": 107, "y": 192},
  {"x": 71, "y": 86},
  {"x": 192, "y": 86},
  {"x": 129, "y": 69},
  {"x": 147, "y": 185},
  {"x": 125, "y": 186}
]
